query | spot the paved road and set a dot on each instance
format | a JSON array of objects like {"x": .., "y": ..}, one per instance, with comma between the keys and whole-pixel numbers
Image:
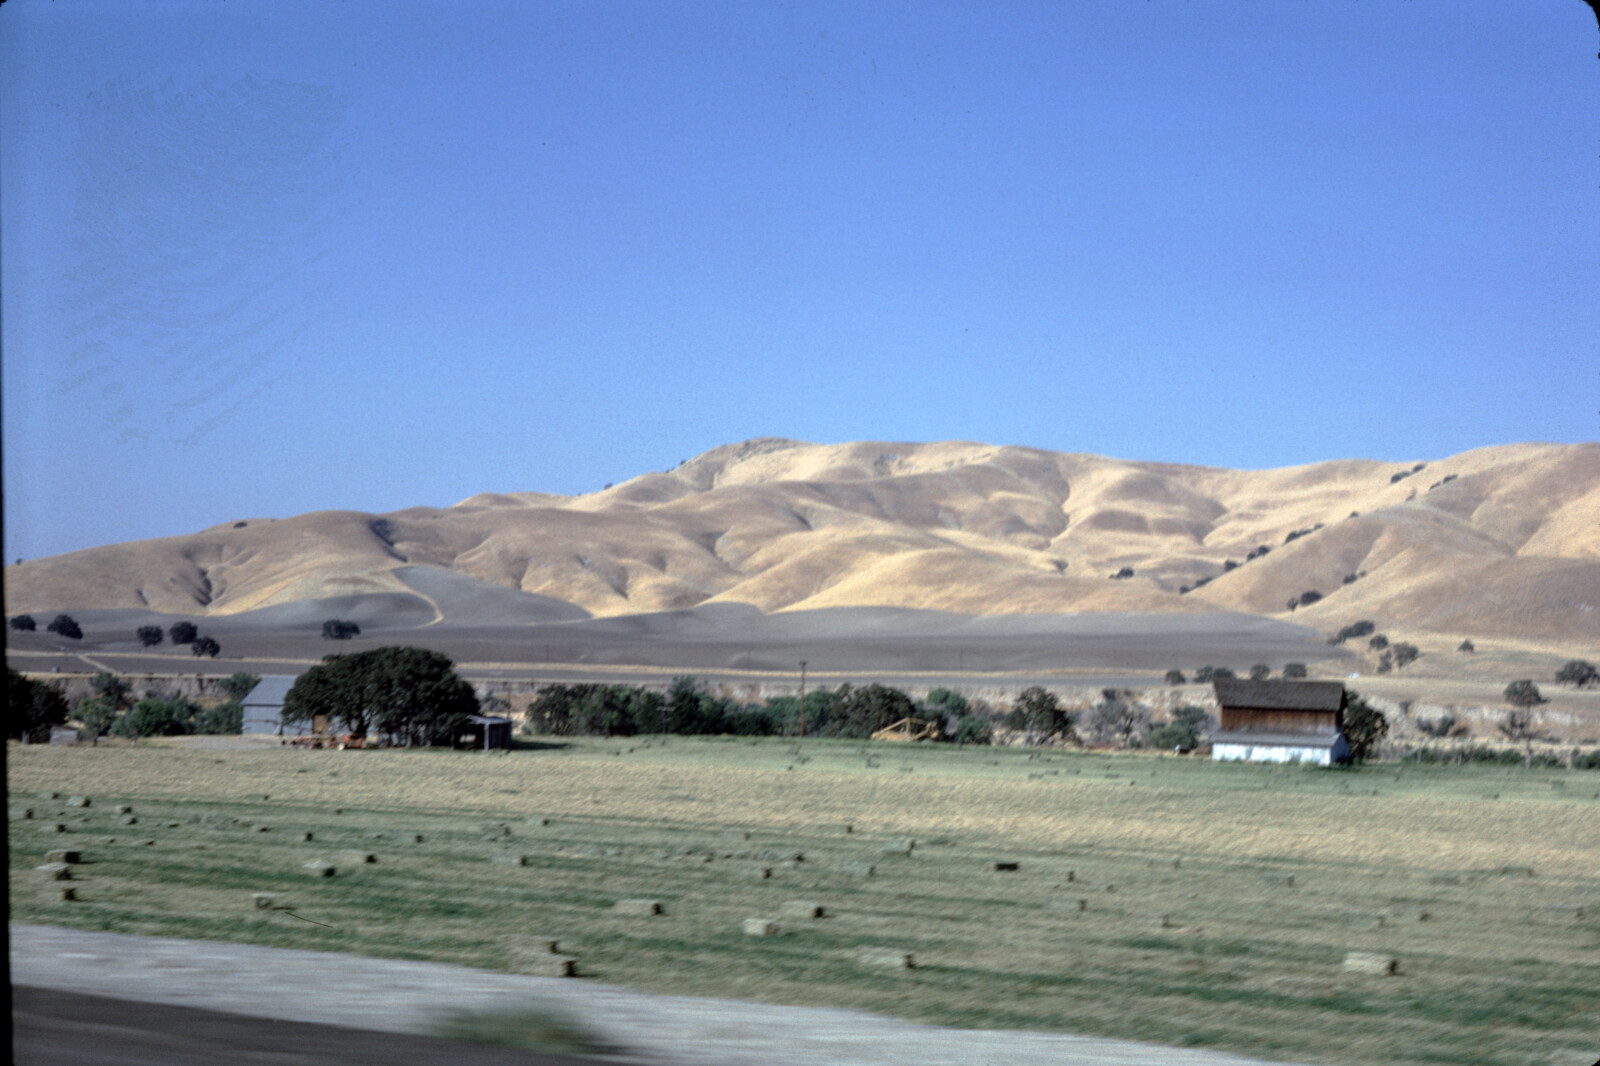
[
  {"x": 396, "y": 996},
  {"x": 53, "y": 1028}
]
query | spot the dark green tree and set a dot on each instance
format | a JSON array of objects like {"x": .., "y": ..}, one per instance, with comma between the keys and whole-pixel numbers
[
  {"x": 859, "y": 711},
  {"x": 1578, "y": 672},
  {"x": 1524, "y": 693},
  {"x": 1364, "y": 727},
  {"x": 183, "y": 632},
  {"x": 32, "y": 708},
  {"x": 974, "y": 729},
  {"x": 1042, "y": 716},
  {"x": 410, "y": 694},
  {"x": 1260, "y": 672},
  {"x": 1175, "y": 677},
  {"x": 158, "y": 718},
  {"x": 111, "y": 688},
  {"x": 66, "y": 626},
  {"x": 224, "y": 718},
  {"x": 23, "y": 623},
  {"x": 149, "y": 636},
  {"x": 205, "y": 646},
  {"x": 337, "y": 629},
  {"x": 1405, "y": 654},
  {"x": 1294, "y": 670},
  {"x": 946, "y": 701},
  {"x": 98, "y": 715}
]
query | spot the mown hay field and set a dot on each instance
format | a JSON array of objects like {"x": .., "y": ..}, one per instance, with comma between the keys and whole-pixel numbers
[{"x": 1152, "y": 897}]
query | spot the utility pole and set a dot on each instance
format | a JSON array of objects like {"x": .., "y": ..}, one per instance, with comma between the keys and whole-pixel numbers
[{"x": 802, "y": 699}]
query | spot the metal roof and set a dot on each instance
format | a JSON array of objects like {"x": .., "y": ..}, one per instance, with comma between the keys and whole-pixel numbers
[
  {"x": 270, "y": 691},
  {"x": 1280, "y": 695}
]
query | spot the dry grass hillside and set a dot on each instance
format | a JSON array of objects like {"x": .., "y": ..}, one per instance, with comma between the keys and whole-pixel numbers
[{"x": 1501, "y": 541}]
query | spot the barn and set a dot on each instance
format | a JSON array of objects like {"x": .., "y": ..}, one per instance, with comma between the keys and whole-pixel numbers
[
  {"x": 263, "y": 707},
  {"x": 1280, "y": 721},
  {"x": 483, "y": 731}
]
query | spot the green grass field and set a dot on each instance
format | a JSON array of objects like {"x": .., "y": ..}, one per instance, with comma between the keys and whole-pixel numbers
[{"x": 1156, "y": 898}]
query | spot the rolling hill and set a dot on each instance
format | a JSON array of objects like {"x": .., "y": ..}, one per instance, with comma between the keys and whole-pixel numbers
[{"x": 1500, "y": 541}]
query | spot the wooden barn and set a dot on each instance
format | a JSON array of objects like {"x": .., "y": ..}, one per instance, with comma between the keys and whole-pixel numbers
[{"x": 1280, "y": 721}]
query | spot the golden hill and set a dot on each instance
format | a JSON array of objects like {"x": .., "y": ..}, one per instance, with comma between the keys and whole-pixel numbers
[{"x": 1499, "y": 541}]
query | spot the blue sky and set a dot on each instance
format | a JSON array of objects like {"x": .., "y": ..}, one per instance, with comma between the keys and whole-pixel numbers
[{"x": 267, "y": 258}]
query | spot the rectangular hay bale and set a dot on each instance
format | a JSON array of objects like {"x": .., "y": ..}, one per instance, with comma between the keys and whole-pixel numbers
[
  {"x": 800, "y": 908},
  {"x": 761, "y": 927},
  {"x": 68, "y": 855},
  {"x": 1371, "y": 963},
  {"x": 508, "y": 858},
  {"x": 637, "y": 908},
  {"x": 886, "y": 958}
]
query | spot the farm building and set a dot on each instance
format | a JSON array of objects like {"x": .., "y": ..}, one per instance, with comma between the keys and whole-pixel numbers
[
  {"x": 263, "y": 707},
  {"x": 482, "y": 731},
  {"x": 1280, "y": 721}
]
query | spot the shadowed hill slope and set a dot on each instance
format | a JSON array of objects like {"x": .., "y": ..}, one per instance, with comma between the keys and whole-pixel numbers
[{"x": 1502, "y": 540}]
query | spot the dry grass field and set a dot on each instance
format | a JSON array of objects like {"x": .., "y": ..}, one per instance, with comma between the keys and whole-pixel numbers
[{"x": 1154, "y": 897}]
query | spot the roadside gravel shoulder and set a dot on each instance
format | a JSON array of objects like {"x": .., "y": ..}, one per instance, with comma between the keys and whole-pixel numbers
[{"x": 406, "y": 997}]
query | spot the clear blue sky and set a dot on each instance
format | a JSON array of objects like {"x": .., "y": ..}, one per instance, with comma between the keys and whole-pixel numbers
[{"x": 262, "y": 258}]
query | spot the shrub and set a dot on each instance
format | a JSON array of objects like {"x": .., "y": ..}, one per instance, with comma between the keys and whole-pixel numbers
[
  {"x": 158, "y": 718},
  {"x": 1116, "y": 719},
  {"x": 1294, "y": 670},
  {"x": 1466, "y": 647},
  {"x": 183, "y": 632},
  {"x": 205, "y": 646},
  {"x": 1378, "y": 643},
  {"x": 1309, "y": 596},
  {"x": 1123, "y": 574},
  {"x": 337, "y": 629},
  {"x": 1183, "y": 732},
  {"x": 1204, "y": 674},
  {"x": 66, "y": 626},
  {"x": 1405, "y": 654},
  {"x": 1446, "y": 726},
  {"x": 225, "y": 718},
  {"x": 23, "y": 623},
  {"x": 1521, "y": 726},
  {"x": 149, "y": 636},
  {"x": 1587, "y": 760},
  {"x": 946, "y": 701},
  {"x": 1039, "y": 712},
  {"x": 1222, "y": 672},
  {"x": 239, "y": 685},
  {"x": 1175, "y": 677},
  {"x": 1260, "y": 672}
]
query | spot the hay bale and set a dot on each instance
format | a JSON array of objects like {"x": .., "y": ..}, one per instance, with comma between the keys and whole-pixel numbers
[
  {"x": 1370, "y": 963},
  {"x": 637, "y": 908},
  {"x": 356, "y": 857},
  {"x": 508, "y": 858},
  {"x": 1164, "y": 921},
  {"x": 263, "y": 901},
  {"x": 46, "y": 794},
  {"x": 122, "y": 808},
  {"x": 1005, "y": 867},
  {"x": 54, "y": 871},
  {"x": 736, "y": 834},
  {"x": 886, "y": 958},
  {"x": 800, "y": 908},
  {"x": 19, "y": 814},
  {"x": 78, "y": 801},
  {"x": 128, "y": 819},
  {"x": 308, "y": 836},
  {"x": 540, "y": 821},
  {"x": 494, "y": 829},
  {"x": 1285, "y": 880},
  {"x": 67, "y": 855},
  {"x": 56, "y": 827},
  {"x": 142, "y": 843},
  {"x": 319, "y": 868},
  {"x": 761, "y": 873},
  {"x": 411, "y": 838},
  {"x": 899, "y": 847},
  {"x": 760, "y": 927},
  {"x": 1516, "y": 871},
  {"x": 858, "y": 869},
  {"x": 539, "y": 957},
  {"x": 262, "y": 829},
  {"x": 67, "y": 895}
]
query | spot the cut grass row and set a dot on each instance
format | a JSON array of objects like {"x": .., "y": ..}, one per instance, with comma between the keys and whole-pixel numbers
[{"x": 1189, "y": 931}]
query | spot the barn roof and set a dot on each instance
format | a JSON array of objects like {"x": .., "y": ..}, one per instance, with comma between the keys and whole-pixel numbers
[
  {"x": 270, "y": 691},
  {"x": 1280, "y": 695}
]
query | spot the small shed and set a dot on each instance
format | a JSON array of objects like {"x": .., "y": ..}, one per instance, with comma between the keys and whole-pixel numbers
[
  {"x": 263, "y": 707},
  {"x": 485, "y": 732},
  {"x": 1280, "y": 721}
]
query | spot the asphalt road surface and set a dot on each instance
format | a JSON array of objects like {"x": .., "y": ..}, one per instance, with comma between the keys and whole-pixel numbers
[{"x": 53, "y": 1028}]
